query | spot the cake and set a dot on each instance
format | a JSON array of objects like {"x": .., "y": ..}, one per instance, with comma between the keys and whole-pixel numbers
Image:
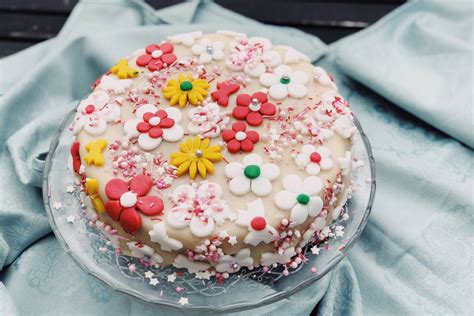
[{"x": 213, "y": 152}]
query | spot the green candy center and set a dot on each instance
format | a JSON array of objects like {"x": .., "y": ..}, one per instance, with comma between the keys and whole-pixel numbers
[
  {"x": 285, "y": 79},
  {"x": 302, "y": 199},
  {"x": 252, "y": 171},
  {"x": 186, "y": 86}
]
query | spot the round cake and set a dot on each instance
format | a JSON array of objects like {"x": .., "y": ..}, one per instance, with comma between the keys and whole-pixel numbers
[{"x": 213, "y": 152}]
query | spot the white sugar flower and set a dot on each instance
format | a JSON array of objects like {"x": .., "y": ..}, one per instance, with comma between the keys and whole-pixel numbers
[
  {"x": 254, "y": 219},
  {"x": 140, "y": 251},
  {"x": 269, "y": 258},
  {"x": 187, "y": 39},
  {"x": 114, "y": 84},
  {"x": 208, "y": 50},
  {"x": 252, "y": 175},
  {"x": 158, "y": 234},
  {"x": 207, "y": 120},
  {"x": 332, "y": 106},
  {"x": 199, "y": 209},
  {"x": 228, "y": 263},
  {"x": 301, "y": 197},
  {"x": 283, "y": 82},
  {"x": 322, "y": 77},
  {"x": 258, "y": 65},
  {"x": 151, "y": 125},
  {"x": 313, "y": 160},
  {"x": 93, "y": 114}
]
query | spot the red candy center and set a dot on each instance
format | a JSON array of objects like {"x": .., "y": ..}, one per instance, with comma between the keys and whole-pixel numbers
[
  {"x": 258, "y": 223},
  {"x": 315, "y": 157},
  {"x": 90, "y": 108}
]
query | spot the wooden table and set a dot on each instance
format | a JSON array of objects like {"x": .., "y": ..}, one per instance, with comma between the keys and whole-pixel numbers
[{"x": 26, "y": 22}]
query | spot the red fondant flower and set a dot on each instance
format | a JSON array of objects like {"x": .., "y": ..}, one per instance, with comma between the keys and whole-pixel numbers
[
  {"x": 252, "y": 108},
  {"x": 126, "y": 199},
  {"x": 238, "y": 139},
  {"x": 153, "y": 123},
  {"x": 157, "y": 56}
]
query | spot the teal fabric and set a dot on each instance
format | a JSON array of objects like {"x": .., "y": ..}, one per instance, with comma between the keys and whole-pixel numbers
[{"x": 414, "y": 257}]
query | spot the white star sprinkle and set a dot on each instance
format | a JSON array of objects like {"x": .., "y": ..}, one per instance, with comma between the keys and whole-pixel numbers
[
  {"x": 232, "y": 240},
  {"x": 172, "y": 277},
  {"x": 339, "y": 231},
  {"x": 149, "y": 274},
  {"x": 71, "y": 219},
  {"x": 315, "y": 250},
  {"x": 223, "y": 234},
  {"x": 183, "y": 301},
  {"x": 69, "y": 189},
  {"x": 57, "y": 205},
  {"x": 203, "y": 275},
  {"x": 154, "y": 281}
]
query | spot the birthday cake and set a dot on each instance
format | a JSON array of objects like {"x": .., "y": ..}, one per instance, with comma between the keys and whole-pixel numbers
[{"x": 213, "y": 152}]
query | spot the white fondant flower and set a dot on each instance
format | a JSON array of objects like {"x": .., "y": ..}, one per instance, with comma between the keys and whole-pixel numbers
[
  {"x": 114, "y": 84},
  {"x": 228, "y": 263},
  {"x": 258, "y": 65},
  {"x": 332, "y": 106},
  {"x": 140, "y": 251},
  {"x": 322, "y": 77},
  {"x": 313, "y": 160},
  {"x": 153, "y": 124},
  {"x": 293, "y": 56},
  {"x": 269, "y": 258},
  {"x": 254, "y": 219},
  {"x": 283, "y": 82},
  {"x": 199, "y": 209},
  {"x": 158, "y": 234},
  {"x": 344, "y": 126},
  {"x": 301, "y": 197},
  {"x": 345, "y": 164},
  {"x": 251, "y": 51},
  {"x": 93, "y": 114},
  {"x": 208, "y": 50},
  {"x": 317, "y": 225},
  {"x": 252, "y": 175},
  {"x": 207, "y": 120},
  {"x": 181, "y": 262},
  {"x": 187, "y": 39}
]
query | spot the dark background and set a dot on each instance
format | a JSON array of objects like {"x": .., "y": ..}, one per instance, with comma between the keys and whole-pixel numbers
[{"x": 26, "y": 22}]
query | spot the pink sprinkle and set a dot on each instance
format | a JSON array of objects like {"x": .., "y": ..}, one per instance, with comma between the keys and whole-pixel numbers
[
  {"x": 132, "y": 268},
  {"x": 265, "y": 269},
  {"x": 285, "y": 272},
  {"x": 313, "y": 270},
  {"x": 103, "y": 249}
]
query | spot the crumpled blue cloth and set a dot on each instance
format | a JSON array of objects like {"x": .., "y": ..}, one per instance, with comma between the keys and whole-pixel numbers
[{"x": 414, "y": 257}]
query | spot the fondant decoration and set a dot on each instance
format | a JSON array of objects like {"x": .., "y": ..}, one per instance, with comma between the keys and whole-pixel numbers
[
  {"x": 300, "y": 196},
  {"x": 321, "y": 76},
  {"x": 344, "y": 126},
  {"x": 253, "y": 108},
  {"x": 152, "y": 125},
  {"x": 76, "y": 157},
  {"x": 317, "y": 225},
  {"x": 92, "y": 188},
  {"x": 254, "y": 219},
  {"x": 185, "y": 89},
  {"x": 196, "y": 156},
  {"x": 345, "y": 164},
  {"x": 207, "y": 120},
  {"x": 313, "y": 160},
  {"x": 157, "y": 57},
  {"x": 158, "y": 234},
  {"x": 208, "y": 50},
  {"x": 250, "y": 52},
  {"x": 293, "y": 56},
  {"x": 224, "y": 90},
  {"x": 199, "y": 208},
  {"x": 187, "y": 39},
  {"x": 331, "y": 107},
  {"x": 123, "y": 70},
  {"x": 140, "y": 250},
  {"x": 283, "y": 82},
  {"x": 94, "y": 113},
  {"x": 257, "y": 66},
  {"x": 269, "y": 258},
  {"x": 94, "y": 150},
  {"x": 228, "y": 263},
  {"x": 181, "y": 262},
  {"x": 126, "y": 199},
  {"x": 238, "y": 138},
  {"x": 112, "y": 84},
  {"x": 252, "y": 175}
]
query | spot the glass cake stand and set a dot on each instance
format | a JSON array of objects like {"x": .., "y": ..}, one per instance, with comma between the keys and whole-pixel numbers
[{"x": 244, "y": 290}]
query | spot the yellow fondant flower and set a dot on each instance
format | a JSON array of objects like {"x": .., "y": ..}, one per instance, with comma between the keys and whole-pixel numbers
[
  {"x": 123, "y": 70},
  {"x": 196, "y": 156},
  {"x": 92, "y": 187},
  {"x": 185, "y": 89}
]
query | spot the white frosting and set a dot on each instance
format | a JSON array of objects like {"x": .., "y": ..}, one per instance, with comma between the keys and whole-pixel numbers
[{"x": 158, "y": 234}]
